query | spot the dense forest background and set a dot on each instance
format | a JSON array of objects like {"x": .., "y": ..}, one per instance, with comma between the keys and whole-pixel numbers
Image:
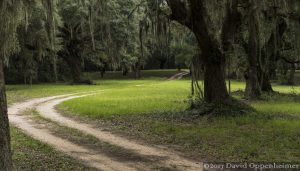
[
  {"x": 259, "y": 40},
  {"x": 96, "y": 36}
]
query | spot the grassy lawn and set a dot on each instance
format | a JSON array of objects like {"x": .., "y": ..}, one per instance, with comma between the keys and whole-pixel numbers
[
  {"x": 17, "y": 93},
  {"x": 29, "y": 154},
  {"x": 140, "y": 97},
  {"x": 156, "y": 113},
  {"x": 154, "y": 110}
]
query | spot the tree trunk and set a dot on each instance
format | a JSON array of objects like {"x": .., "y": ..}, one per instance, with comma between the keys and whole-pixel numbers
[
  {"x": 5, "y": 151},
  {"x": 76, "y": 72},
  {"x": 138, "y": 70},
  {"x": 162, "y": 64},
  {"x": 138, "y": 63},
  {"x": 194, "y": 14},
  {"x": 55, "y": 69},
  {"x": 291, "y": 80},
  {"x": 215, "y": 90},
  {"x": 102, "y": 72},
  {"x": 264, "y": 80},
  {"x": 266, "y": 85},
  {"x": 125, "y": 71},
  {"x": 74, "y": 64},
  {"x": 252, "y": 82}
]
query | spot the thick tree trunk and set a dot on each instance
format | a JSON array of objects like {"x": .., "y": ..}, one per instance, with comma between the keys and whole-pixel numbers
[
  {"x": 195, "y": 15},
  {"x": 273, "y": 72},
  {"x": 213, "y": 61},
  {"x": 215, "y": 90},
  {"x": 252, "y": 82},
  {"x": 5, "y": 151},
  {"x": 264, "y": 80},
  {"x": 266, "y": 85}
]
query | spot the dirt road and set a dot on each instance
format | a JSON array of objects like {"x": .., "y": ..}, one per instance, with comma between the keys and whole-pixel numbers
[{"x": 45, "y": 107}]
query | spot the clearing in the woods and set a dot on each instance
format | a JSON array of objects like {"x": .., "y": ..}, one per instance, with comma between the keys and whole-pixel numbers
[{"x": 125, "y": 124}]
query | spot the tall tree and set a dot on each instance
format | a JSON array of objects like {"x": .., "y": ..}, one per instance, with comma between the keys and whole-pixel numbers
[
  {"x": 267, "y": 23},
  {"x": 10, "y": 11},
  {"x": 212, "y": 21},
  {"x": 252, "y": 83}
]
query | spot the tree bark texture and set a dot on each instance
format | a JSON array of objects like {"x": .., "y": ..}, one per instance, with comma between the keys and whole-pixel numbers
[
  {"x": 253, "y": 90},
  {"x": 5, "y": 149}
]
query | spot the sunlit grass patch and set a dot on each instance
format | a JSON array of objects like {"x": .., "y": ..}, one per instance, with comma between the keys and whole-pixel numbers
[
  {"x": 135, "y": 99},
  {"x": 149, "y": 111}
]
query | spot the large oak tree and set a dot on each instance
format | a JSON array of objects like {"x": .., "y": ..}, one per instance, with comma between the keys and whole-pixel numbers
[{"x": 214, "y": 23}]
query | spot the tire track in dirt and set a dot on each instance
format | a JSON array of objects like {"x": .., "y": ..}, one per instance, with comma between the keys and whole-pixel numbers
[
  {"x": 168, "y": 159},
  {"x": 88, "y": 156},
  {"x": 178, "y": 76}
]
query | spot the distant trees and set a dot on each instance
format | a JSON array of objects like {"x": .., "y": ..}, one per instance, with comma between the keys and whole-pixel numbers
[{"x": 268, "y": 23}]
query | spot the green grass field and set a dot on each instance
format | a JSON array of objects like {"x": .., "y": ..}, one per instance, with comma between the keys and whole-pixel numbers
[
  {"x": 150, "y": 96},
  {"x": 155, "y": 110},
  {"x": 137, "y": 98}
]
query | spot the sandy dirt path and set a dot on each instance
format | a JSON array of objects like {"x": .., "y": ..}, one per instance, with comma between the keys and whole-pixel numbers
[
  {"x": 168, "y": 159},
  {"x": 45, "y": 107},
  {"x": 88, "y": 156}
]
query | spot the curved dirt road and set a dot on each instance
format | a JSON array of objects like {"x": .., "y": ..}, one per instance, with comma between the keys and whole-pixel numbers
[
  {"x": 45, "y": 107},
  {"x": 88, "y": 156}
]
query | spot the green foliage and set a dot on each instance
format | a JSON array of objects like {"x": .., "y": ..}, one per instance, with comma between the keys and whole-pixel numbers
[
  {"x": 126, "y": 35},
  {"x": 11, "y": 12},
  {"x": 183, "y": 46},
  {"x": 291, "y": 44}
]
